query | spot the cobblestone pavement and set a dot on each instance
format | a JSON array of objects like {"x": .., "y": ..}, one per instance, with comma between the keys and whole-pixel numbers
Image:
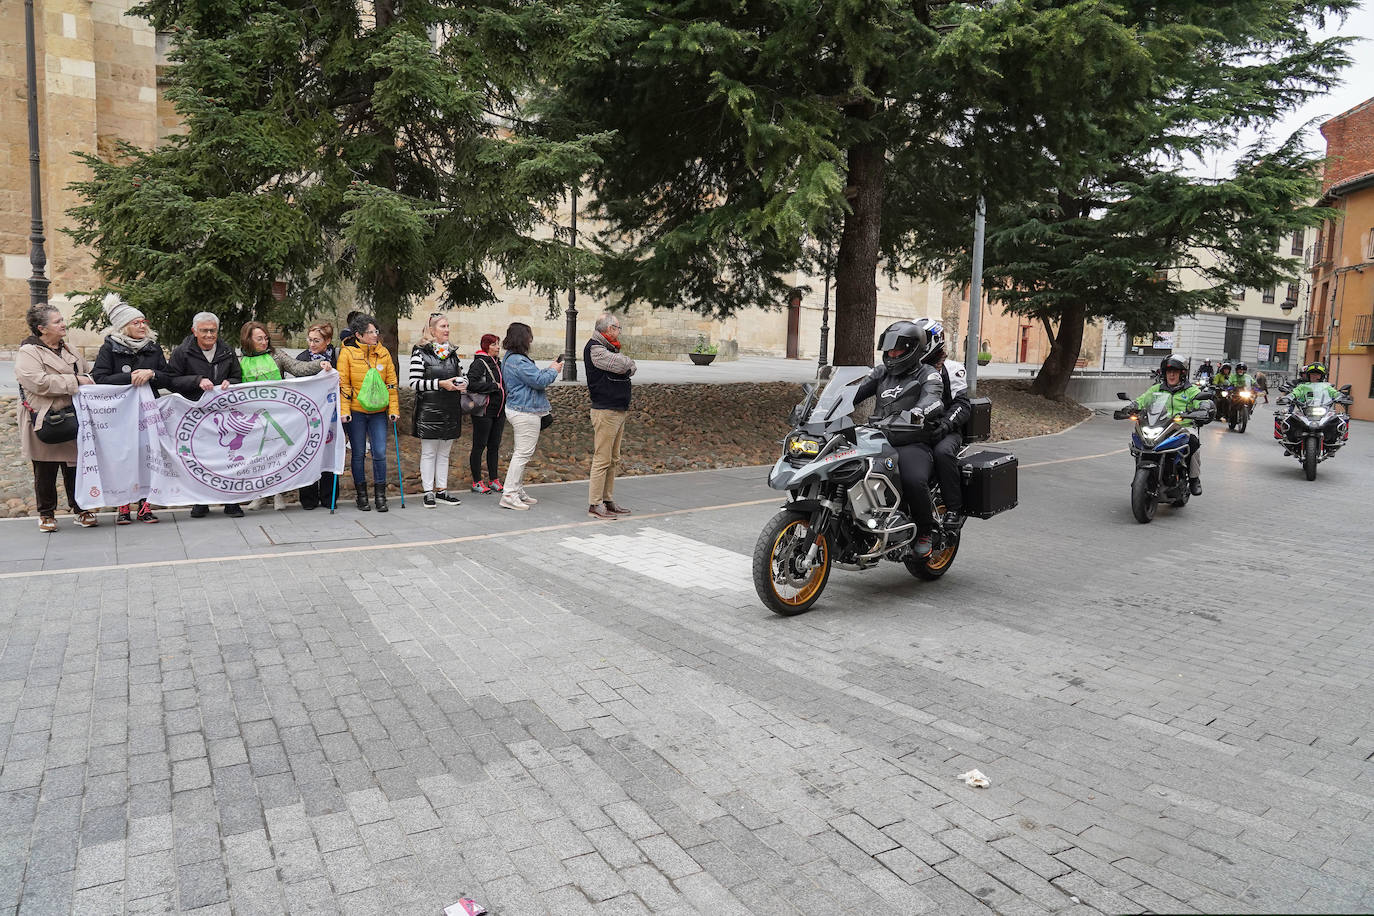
[{"x": 586, "y": 717}]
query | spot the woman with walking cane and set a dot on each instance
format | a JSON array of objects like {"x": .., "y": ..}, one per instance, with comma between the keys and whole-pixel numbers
[{"x": 368, "y": 404}]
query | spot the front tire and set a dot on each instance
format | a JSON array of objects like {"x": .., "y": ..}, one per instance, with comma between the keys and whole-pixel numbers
[
  {"x": 781, "y": 582},
  {"x": 1142, "y": 497},
  {"x": 1244, "y": 420},
  {"x": 1310, "y": 452}
]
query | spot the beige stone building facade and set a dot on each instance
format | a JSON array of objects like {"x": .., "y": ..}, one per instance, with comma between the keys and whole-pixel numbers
[{"x": 98, "y": 83}]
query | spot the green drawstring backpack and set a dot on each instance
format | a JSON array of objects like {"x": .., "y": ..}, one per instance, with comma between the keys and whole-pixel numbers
[{"x": 372, "y": 394}]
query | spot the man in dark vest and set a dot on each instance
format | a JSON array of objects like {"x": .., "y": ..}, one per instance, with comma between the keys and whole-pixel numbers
[{"x": 608, "y": 382}]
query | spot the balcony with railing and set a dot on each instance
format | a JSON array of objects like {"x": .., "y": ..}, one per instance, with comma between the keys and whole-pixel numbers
[
  {"x": 1362, "y": 331},
  {"x": 1308, "y": 327}
]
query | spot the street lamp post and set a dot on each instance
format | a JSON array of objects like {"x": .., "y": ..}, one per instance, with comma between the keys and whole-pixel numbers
[
  {"x": 570, "y": 334},
  {"x": 38, "y": 281},
  {"x": 975, "y": 299},
  {"x": 825, "y": 310}
]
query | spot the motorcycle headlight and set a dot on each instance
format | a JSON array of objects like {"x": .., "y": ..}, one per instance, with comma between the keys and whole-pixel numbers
[
  {"x": 1245, "y": 395},
  {"x": 803, "y": 446},
  {"x": 1315, "y": 411},
  {"x": 1151, "y": 433}
]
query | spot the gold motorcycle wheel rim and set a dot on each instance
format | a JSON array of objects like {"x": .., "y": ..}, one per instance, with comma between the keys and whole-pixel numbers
[
  {"x": 814, "y": 580},
  {"x": 938, "y": 561}
]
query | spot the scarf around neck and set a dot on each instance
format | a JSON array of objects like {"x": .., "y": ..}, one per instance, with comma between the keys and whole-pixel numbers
[{"x": 134, "y": 345}]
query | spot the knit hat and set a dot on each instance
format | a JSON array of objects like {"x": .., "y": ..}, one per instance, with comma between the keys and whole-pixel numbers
[
  {"x": 488, "y": 340},
  {"x": 118, "y": 311}
]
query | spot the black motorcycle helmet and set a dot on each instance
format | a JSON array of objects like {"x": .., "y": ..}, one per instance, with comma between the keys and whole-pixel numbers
[
  {"x": 903, "y": 343},
  {"x": 1173, "y": 362},
  {"x": 1313, "y": 367},
  {"x": 935, "y": 342},
  {"x": 1242, "y": 368}
]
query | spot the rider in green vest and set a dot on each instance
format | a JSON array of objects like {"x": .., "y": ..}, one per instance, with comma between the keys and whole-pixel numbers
[
  {"x": 1315, "y": 375},
  {"x": 1183, "y": 397}
]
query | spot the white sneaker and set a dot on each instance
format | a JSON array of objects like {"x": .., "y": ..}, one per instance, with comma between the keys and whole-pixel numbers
[
  {"x": 255, "y": 504},
  {"x": 512, "y": 502},
  {"x": 527, "y": 498},
  {"x": 279, "y": 501}
]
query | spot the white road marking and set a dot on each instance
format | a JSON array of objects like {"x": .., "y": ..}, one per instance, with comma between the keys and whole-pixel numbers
[{"x": 669, "y": 558}]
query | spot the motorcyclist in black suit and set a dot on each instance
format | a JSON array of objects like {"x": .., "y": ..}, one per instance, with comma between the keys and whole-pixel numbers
[{"x": 911, "y": 409}]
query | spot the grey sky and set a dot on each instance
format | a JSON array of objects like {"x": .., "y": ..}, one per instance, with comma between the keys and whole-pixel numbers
[{"x": 1358, "y": 86}]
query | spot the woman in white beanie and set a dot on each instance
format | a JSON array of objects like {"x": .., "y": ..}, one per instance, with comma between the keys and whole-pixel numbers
[{"x": 130, "y": 356}]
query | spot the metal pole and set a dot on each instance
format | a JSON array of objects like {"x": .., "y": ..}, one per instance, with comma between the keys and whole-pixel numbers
[
  {"x": 38, "y": 281},
  {"x": 825, "y": 310},
  {"x": 975, "y": 300},
  {"x": 570, "y": 334}
]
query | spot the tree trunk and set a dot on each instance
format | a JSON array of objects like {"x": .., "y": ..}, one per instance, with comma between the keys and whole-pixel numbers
[
  {"x": 856, "y": 266},
  {"x": 1053, "y": 379}
]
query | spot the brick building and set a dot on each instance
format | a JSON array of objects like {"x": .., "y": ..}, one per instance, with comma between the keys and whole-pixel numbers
[{"x": 1339, "y": 322}]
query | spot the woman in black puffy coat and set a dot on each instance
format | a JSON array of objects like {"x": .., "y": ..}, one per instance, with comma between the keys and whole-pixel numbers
[{"x": 437, "y": 377}]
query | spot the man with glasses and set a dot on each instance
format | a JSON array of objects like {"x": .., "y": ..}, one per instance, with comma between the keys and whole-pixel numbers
[
  {"x": 608, "y": 382},
  {"x": 201, "y": 363}
]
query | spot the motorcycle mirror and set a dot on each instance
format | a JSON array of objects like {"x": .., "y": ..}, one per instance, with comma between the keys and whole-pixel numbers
[
  {"x": 1345, "y": 388},
  {"x": 1121, "y": 396}
]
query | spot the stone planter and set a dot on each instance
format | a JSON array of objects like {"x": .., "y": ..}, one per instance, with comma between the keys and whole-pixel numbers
[
  {"x": 983, "y": 361},
  {"x": 702, "y": 359}
]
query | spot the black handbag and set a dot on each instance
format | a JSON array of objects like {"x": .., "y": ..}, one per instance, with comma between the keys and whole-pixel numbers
[
  {"x": 545, "y": 421},
  {"x": 59, "y": 424}
]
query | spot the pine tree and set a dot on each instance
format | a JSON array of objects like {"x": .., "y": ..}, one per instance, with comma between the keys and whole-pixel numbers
[
  {"x": 743, "y": 130},
  {"x": 332, "y": 141},
  {"x": 1116, "y": 237}
]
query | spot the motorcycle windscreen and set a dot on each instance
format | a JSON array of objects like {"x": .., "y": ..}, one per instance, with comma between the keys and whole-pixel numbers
[
  {"x": 1320, "y": 397},
  {"x": 837, "y": 400},
  {"x": 1156, "y": 412}
]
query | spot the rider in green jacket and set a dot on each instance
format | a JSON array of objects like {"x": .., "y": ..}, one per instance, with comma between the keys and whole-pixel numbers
[
  {"x": 1183, "y": 397},
  {"x": 1315, "y": 373}
]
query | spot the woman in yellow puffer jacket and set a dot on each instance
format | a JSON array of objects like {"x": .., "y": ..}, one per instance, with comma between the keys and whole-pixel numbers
[{"x": 366, "y": 428}]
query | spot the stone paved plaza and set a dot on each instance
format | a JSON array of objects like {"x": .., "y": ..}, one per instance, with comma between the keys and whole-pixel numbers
[{"x": 380, "y": 714}]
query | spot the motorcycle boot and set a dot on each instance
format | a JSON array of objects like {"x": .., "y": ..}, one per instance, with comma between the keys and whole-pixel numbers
[
  {"x": 1195, "y": 486},
  {"x": 925, "y": 543}
]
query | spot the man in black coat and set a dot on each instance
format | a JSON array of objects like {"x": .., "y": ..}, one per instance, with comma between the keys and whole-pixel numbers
[
  {"x": 199, "y": 364},
  {"x": 202, "y": 361}
]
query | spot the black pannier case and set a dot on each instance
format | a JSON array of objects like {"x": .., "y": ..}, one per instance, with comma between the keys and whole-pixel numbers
[
  {"x": 978, "y": 427},
  {"x": 989, "y": 482}
]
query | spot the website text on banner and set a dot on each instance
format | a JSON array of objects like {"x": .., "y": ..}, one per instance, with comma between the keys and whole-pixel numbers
[{"x": 249, "y": 440}]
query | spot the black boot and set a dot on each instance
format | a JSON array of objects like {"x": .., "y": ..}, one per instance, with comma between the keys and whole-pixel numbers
[
  {"x": 362, "y": 498},
  {"x": 1195, "y": 486},
  {"x": 380, "y": 501}
]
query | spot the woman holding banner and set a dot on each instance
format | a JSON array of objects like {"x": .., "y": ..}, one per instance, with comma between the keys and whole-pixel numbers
[
  {"x": 131, "y": 355},
  {"x": 49, "y": 372},
  {"x": 368, "y": 404},
  {"x": 262, "y": 362}
]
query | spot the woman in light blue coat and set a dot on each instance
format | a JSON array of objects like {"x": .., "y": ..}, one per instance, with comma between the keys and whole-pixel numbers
[{"x": 527, "y": 403}]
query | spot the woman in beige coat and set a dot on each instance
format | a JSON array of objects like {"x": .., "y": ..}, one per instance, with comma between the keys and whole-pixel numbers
[{"x": 49, "y": 372}]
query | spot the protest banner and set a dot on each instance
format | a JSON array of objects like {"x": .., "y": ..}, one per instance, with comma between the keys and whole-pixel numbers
[{"x": 250, "y": 440}]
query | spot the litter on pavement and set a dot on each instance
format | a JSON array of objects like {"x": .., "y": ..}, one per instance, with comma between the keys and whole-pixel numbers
[{"x": 975, "y": 778}]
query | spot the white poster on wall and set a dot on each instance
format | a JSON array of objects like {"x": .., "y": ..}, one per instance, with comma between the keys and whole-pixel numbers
[{"x": 251, "y": 440}]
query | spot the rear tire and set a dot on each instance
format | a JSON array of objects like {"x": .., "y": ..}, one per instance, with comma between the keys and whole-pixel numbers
[
  {"x": 938, "y": 563},
  {"x": 1142, "y": 498},
  {"x": 776, "y": 565},
  {"x": 1310, "y": 451}
]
